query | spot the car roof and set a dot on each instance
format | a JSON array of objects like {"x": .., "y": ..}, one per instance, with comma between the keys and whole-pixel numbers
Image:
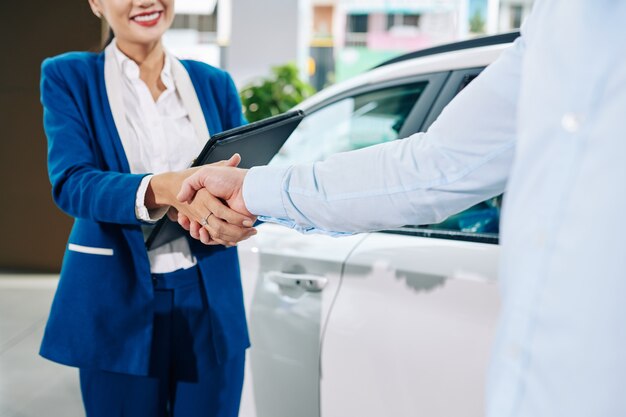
[
  {"x": 502, "y": 38},
  {"x": 455, "y": 56}
]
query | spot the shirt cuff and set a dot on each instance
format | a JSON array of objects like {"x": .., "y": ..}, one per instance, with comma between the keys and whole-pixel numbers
[
  {"x": 304, "y": 230},
  {"x": 141, "y": 211},
  {"x": 263, "y": 191}
]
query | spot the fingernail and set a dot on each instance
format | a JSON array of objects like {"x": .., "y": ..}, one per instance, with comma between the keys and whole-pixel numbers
[{"x": 248, "y": 223}]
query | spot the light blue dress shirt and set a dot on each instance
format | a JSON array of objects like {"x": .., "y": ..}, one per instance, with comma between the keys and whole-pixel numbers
[{"x": 547, "y": 124}]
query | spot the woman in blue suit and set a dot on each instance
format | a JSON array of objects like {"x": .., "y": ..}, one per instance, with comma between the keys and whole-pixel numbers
[{"x": 158, "y": 333}]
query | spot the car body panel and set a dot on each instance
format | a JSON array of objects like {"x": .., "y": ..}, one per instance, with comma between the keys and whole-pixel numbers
[
  {"x": 285, "y": 320},
  {"x": 414, "y": 318}
]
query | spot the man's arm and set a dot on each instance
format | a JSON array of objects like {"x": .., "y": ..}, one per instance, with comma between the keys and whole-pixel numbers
[{"x": 464, "y": 158}]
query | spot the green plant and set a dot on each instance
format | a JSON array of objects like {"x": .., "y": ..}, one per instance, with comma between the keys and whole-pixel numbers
[
  {"x": 276, "y": 94},
  {"x": 477, "y": 23}
]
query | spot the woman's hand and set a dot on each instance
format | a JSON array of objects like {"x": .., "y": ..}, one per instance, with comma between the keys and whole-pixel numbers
[{"x": 207, "y": 217}]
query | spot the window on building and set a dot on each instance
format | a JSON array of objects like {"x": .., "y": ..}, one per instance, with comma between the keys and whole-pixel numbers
[
  {"x": 357, "y": 23},
  {"x": 199, "y": 22},
  {"x": 402, "y": 19}
]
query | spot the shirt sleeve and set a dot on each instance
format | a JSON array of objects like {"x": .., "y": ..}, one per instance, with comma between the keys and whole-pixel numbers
[
  {"x": 141, "y": 211},
  {"x": 463, "y": 159}
]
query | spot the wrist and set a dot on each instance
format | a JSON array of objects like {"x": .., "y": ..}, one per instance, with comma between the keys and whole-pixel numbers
[
  {"x": 163, "y": 189},
  {"x": 240, "y": 195}
]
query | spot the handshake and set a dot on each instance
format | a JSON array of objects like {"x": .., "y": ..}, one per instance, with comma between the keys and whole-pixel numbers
[{"x": 209, "y": 202}]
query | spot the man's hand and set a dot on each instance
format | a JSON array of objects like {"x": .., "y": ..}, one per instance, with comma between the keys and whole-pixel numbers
[
  {"x": 224, "y": 182},
  {"x": 208, "y": 218}
]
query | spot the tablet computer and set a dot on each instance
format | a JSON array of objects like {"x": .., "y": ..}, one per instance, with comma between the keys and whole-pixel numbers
[{"x": 257, "y": 143}]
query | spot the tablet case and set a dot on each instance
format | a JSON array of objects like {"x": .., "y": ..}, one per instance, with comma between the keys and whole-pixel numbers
[{"x": 257, "y": 143}]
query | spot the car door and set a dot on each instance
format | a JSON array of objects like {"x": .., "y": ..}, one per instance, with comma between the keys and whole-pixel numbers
[
  {"x": 413, "y": 322},
  {"x": 290, "y": 280},
  {"x": 411, "y": 327}
]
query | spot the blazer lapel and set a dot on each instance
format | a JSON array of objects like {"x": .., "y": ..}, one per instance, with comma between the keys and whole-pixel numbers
[
  {"x": 120, "y": 130},
  {"x": 113, "y": 83},
  {"x": 113, "y": 113},
  {"x": 190, "y": 100}
]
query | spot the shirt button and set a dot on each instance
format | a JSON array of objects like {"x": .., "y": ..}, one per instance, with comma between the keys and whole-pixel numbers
[{"x": 571, "y": 122}]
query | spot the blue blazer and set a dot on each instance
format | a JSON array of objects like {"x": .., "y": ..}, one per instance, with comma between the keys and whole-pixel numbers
[{"x": 101, "y": 316}]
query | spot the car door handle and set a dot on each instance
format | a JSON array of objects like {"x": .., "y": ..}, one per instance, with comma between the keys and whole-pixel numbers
[{"x": 311, "y": 283}]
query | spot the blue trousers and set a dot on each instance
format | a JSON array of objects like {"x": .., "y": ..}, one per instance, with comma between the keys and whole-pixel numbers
[{"x": 185, "y": 379}]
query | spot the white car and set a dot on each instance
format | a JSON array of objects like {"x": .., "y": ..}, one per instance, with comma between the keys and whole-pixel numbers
[{"x": 395, "y": 323}]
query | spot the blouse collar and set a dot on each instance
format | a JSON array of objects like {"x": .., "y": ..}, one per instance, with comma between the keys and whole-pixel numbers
[{"x": 130, "y": 69}]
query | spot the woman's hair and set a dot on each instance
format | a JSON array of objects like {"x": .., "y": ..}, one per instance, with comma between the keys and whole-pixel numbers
[{"x": 109, "y": 39}]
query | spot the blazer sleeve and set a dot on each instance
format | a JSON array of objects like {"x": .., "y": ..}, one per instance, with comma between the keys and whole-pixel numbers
[{"x": 80, "y": 187}]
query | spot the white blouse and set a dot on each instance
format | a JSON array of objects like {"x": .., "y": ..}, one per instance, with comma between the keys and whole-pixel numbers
[{"x": 160, "y": 137}]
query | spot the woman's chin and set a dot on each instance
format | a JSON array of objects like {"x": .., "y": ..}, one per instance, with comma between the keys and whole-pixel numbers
[
  {"x": 139, "y": 34},
  {"x": 144, "y": 37}
]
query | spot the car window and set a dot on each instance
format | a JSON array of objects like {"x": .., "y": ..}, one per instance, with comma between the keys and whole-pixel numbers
[
  {"x": 351, "y": 123},
  {"x": 482, "y": 218}
]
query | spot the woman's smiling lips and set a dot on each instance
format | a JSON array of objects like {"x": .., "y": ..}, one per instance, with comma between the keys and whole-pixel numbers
[{"x": 147, "y": 18}]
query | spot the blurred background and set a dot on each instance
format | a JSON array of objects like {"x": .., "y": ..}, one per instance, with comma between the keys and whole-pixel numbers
[{"x": 278, "y": 52}]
